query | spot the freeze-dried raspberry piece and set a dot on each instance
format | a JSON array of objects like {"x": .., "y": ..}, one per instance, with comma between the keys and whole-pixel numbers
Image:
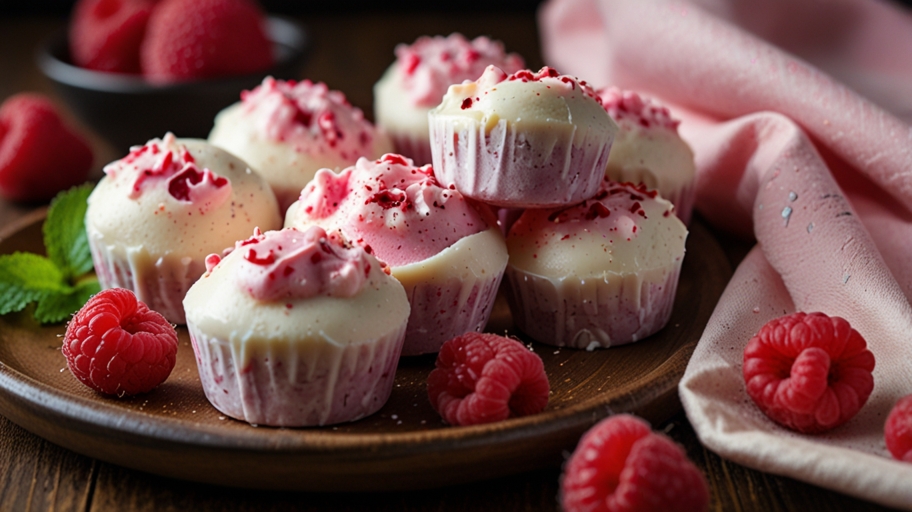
[
  {"x": 482, "y": 378},
  {"x": 116, "y": 345},
  {"x": 105, "y": 35},
  {"x": 620, "y": 465},
  {"x": 898, "y": 430},
  {"x": 39, "y": 154},
  {"x": 808, "y": 372}
]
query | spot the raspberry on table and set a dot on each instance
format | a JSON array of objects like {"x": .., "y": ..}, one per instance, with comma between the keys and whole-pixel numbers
[
  {"x": 116, "y": 345},
  {"x": 39, "y": 154},
  {"x": 105, "y": 35},
  {"x": 482, "y": 378},
  {"x": 808, "y": 372},
  {"x": 620, "y": 465},
  {"x": 197, "y": 39},
  {"x": 898, "y": 430}
]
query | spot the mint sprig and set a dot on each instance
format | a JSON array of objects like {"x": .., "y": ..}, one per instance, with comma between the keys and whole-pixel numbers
[{"x": 60, "y": 283}]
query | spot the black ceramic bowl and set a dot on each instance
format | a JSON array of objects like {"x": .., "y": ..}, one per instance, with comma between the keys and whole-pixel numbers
[{"x": 128, "y": 111}]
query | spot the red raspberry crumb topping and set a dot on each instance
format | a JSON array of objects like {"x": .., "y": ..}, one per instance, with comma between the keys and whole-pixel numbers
[
  {"x": 195, "y": 39},
  {"x": 808, "y": 372},
  {"x": 483, "y": 378},
  {"x": 898, "y": 430},
  {"x": 39, "y": 155},
  {"x": 621, "y": 465},
  {"x": 105, "y": 35},
  {"x": 116, "y": 345},
  {"x": 630, "y": 106}
]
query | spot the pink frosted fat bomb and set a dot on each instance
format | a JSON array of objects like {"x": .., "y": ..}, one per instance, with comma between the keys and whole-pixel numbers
[
  {"x": 160, "y": 210},
  {"x": 416, "y": 82},
  {"x": 648, "y": 149},
  {"x": 287, "y": 130},
  {"x": 449, "y": 257},
  {"x": 292, "y": 329},
  {"x": 600, "y": 273},
  {"x": 526, "y": 140}
]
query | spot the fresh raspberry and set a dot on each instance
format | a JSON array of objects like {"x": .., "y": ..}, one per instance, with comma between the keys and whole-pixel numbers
[
  {"x": 482, "y": 378},
  {"x": 105, "y": 34},
  {"x": 116, "y": 345},
  {"x": 195, "y": 39},
  {"x": 39, "y": 155},
  {"x": 808, "y": 372},
  {"x": 621, "y": 465},
  {"x": 898, "y": 430}
]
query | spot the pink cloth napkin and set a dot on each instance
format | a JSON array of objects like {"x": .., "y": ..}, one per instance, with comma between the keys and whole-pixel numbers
[{"x": 794, "y": 111}]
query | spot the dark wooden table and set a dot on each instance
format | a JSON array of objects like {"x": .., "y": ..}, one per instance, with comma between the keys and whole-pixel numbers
[{"x": 349, "y": 53}]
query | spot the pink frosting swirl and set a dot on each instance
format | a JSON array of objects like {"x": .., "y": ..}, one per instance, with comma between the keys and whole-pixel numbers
[
  {"x": 292, "y": 264},
  {"x": 395, "y": 210},
  {"x": 431, "y": 64},
  {"x": 309, "y": 116},
  {"x": 629, "y": 107},
  {"x": 165, "y": 162}
]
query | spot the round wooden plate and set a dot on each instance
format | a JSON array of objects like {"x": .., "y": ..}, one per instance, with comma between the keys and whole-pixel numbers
[{"x": 173, "y": 431}]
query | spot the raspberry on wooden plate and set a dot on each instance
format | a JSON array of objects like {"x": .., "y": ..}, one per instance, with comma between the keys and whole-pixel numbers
[
  {"x": 808, "y": 372},
  {"x": 482, "y": 378},
  {"x": 620, "y": 465},
  {"x": 116, "y": 345},
  {"x": 39, "y": 155}
]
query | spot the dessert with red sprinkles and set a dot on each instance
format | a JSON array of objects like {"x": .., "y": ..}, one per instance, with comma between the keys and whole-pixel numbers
[
  {"x": 291, "y": 328},
  {"x": 526, "y": 139},
  {"x": 116, "y": 345},
  {"x": 898, "y": 430},
  {"x": 160, "y": 210},
  {"x": 599, "y": 273},
  {"x": 482, "y": 378},
  {"x": 447, "y": 252},
  {"x": 416, "y": 82},
  {"x": 620, "y": 465},
  {"x": 648, "y": 149},
  {"x": 808, "y": 372},
  {"x": 288, "y": 130}
]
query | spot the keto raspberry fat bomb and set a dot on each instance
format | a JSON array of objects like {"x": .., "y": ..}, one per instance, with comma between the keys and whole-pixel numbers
[
  {"x": 648, "y": 149},
  {"x": 292, "y": 329},
  {"x": 288, "y": 130},
  {"x": 449, "y": 257},
  {"x": 527, "y": 140},
  {"x": 596, "y": 274},
  {"x": 160, "y": 210},
  {"x": 416, "y": 82}
]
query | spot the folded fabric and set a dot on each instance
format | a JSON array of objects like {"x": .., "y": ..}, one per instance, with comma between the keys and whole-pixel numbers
[{"x": 794, "y": 111}]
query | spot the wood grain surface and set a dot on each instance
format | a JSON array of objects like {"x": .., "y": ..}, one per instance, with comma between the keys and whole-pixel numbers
[{"x": 350, "y": 53}]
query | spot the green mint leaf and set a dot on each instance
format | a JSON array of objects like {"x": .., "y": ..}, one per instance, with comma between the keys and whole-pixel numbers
[
  {"x": 64, "y": 232},
  {"x": 25, "y": 278},
  {"x": 60, "y": 305}
]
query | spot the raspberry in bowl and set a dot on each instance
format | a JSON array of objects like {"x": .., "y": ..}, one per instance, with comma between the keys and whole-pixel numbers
[
  {"x": 599, "y": 273},
  {"x": 446, "y": 251},
  {"x": 521, "y": 140},
  {"x": 648, "y": 149},
  {"x": 418, "y": 79},
  {"x": 294, "y": 329},
  {"x": 162, "y": 209},
  {"x": 288, "y": 130},
  {"x": 124, "y": 106}
]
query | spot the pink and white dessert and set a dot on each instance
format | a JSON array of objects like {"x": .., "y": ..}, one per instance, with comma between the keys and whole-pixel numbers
[
  {"x": 600, "y": 273},
  {"x": 648, "y": 149},
  {"x": 292, "y": 329},
  {"x": 288, "y": 130},
  {"x": 449, "y": 257},
  {"x": 416, "y": 82},
  {"x": 523, "y": 139},
  {"x": 160, "y": 210}
]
